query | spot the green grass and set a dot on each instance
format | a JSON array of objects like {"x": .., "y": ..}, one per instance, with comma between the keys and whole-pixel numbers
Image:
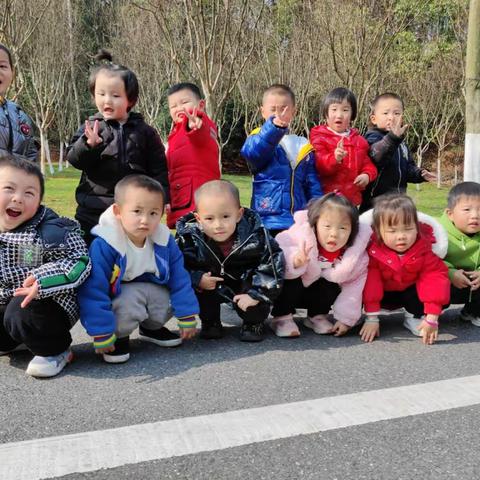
[{"x": 60, "y": 193}]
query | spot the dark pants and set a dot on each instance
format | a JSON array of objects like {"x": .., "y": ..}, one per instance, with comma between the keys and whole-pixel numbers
[
  {"x": 210, "y": 301},
  {"x": 318, "y": 298},
  {"x": 471, "y": 299},
  {"x": 274, "y": 232},
  {"x": 43, "y": 326},
  {"x": 407, "y": 298}
]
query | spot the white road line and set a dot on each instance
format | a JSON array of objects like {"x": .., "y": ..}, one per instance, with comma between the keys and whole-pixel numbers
[{"x": 90, "y": 451}]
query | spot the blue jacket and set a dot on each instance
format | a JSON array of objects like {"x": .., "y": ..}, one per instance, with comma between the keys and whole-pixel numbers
[
  {"x": 284, "y": 175},
  {"x": 109, "y": 261}
]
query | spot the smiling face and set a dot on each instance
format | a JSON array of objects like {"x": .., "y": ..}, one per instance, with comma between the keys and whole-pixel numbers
[
  {"x": 465, "y": 215},
  {"x": 111, "y": 97},
  {"x": 183, "y": 100},
  {"x": 6, "y": 72},
  {"x": 339, "y": 116},
  {"x": 333, "y": 229},
  {"x": 387, "y": 111},
  {"x": 20, "y": 195}
]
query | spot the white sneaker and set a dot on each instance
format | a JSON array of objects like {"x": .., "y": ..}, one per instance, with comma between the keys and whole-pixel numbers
[
  {"x": 412, "y": 323},
  {"x": 468, "y": 317},
  {"x": 319, "y": 324},
  {"x": 18, "y": 348},
  {"x": 284, "y": 326},
  {"x": 49, "y": 366}
]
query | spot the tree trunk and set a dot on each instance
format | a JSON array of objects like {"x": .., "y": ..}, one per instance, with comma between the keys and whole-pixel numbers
[{"x": 60, "y": 157}]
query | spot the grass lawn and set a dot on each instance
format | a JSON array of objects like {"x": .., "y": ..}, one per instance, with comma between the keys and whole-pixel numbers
[{"x": 60, "y": 193}]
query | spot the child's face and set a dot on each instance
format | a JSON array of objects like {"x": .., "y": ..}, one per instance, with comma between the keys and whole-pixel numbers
[
  {"x": 19, "y": 197},
  {"x": 333, "y": 229},
  {"x": 465, "y": 215},
  {"x": 400, "y": 237},
  {"x": 218, "y": 216},
  {"x": 111, "y": 97},
  {"x": 6, "y": 72},
  {"x": 275, "y": 103},
  {"x": 339, "y": 116},
  {"x": 139, "y": 212},
  {"x": 183, "y": 100},
  {"x": 388, "y": 111}
]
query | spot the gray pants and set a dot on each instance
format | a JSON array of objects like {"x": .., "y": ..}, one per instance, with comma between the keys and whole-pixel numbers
[{"x": 142, "y": 303}]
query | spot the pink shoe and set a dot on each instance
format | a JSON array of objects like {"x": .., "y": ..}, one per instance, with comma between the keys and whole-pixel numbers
[
  {"x": 284, "y": 326},
  {"x": 319, "y": 324}
]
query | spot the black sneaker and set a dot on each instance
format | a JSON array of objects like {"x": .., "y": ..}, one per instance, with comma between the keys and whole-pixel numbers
[
  {"x": 162, "y": 337},
  {"x": 252, "y": 332},
  {"x": 214, "y": 331},
  {"x": 121, "y": 354}
]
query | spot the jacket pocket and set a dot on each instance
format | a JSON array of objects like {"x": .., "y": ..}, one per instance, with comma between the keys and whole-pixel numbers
[
  {"x": 267, "y": 197},
  {"x": 181, "y": 194}
]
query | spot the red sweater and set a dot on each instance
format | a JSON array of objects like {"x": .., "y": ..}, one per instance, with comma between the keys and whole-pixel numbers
[
  {"x": 387, "y": 271},
  {"x": 340, "y": 176},
  {"x": 192, "y": 160}
]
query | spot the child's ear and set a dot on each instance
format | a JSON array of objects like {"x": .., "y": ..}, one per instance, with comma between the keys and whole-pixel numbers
[
  {"x": 197, "y": 216},
  {"x": 449, "y": 213},
  {"x": 240, "y": 213},
  {"x": 201, "y": 105},
  {"x": 116, "y": 210},
  {"x": 372, "y": 119}
]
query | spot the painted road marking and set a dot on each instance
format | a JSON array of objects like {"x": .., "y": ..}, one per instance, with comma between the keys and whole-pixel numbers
[{"x": 90, "y": 451}]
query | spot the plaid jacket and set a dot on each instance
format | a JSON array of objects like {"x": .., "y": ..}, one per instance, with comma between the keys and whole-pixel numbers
[{"x": 51, "y": 249}]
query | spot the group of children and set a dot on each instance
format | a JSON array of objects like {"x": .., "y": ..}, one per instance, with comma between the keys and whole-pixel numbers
[{"x": 304, "y": 243}]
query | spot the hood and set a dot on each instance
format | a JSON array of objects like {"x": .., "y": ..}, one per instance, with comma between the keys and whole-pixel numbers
[
  {"x": 295, "y": 148},
  {"x": 454, "y": 232}
]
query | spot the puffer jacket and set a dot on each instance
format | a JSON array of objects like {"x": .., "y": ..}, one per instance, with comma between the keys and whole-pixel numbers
[
  {"x": 284, "y": 177},
  {"x": 255, "y": 265},
  {"x": 395, "y": 166},
  {"x": 134, "y": 147},
  {"x": 192, "y": 159},
  {"x": 16, "y": 131},
  {"x": 349, "y": 271},
  {"x": 340, "y": 176}
]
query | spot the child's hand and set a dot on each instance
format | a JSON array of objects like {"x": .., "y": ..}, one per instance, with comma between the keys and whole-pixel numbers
[
  {"x": 339, "y": 329},
  {"x": 109, "y": 349},
  {"x": 301, "y": 257},
  {"x": 208, "y": 282},
  {"x": 187, "y": 333},
  {"x": 168, "y": 209},
  {"x": 362, "y": 180},
  {"x": 474, "y": 279},
  {"x": 397, "y": 128},
  {"x": 428, "y": 176},
  {"x": 429, "y": 332},
  {"x": 460, "y": 279},
  {"x": 93, "y": 138},
  {"x": 194, "y": 122},
  {"x": 369, "y": 331},
  {"x": 282, "y": 120},
  {"x": 340, "y": 152},
  {"x": 244, "y": 301},
  {"x": 29, "y": 288}
]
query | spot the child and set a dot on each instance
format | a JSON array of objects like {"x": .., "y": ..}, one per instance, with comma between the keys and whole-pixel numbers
[
  {"x": 231, "y": 258},
  {"x": 43, "y": 258},
  {"x": 326, "y": 264},
  {"x": 284, "y": 177},
  {"x": 461, "y": 220},
  {"x": 16, "y": 132},
  {"x": 114, "y": 143},
  {"x": 192, "y": 149},
  {"x": 341, "y": 154},
  {"x": 403, "y": 270},
  {"x": 389, "y": 152},
  {"x": 137, "y": 270}
]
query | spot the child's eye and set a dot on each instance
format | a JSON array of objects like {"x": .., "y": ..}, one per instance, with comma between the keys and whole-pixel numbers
[{"x": 30, "y": 194}]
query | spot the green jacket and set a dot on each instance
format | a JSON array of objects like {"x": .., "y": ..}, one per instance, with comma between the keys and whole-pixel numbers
[{"x": 463, "y": 250}]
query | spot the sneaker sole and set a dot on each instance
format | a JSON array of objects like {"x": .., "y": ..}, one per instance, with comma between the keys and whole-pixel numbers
[
  {"x": 45, "y": 373},
  {"x": 251, "y": 339},
  {"x": 116, "y": 358},
  {"x": 414, "y": 331},
  {"x": 175, "y": 342}
]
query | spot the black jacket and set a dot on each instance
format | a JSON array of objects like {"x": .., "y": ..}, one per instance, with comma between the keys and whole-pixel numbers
[
  {"x": 255, "y": 266},
  {"x": 395, "y": 165},
  {"x": 134, "y": 147}
]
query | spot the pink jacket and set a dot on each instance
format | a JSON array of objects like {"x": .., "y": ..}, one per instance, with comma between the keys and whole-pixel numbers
[{"x": 349, "y": 271}]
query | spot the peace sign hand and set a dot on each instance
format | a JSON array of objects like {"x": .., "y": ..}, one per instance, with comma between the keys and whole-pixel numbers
[
  {"x": 283, "y": 118},
  {"x": 397, "y": 129},
  {"x": 93, "y": 138},
  {"x": 340, "y": 152},
  {"x": 194, "y": 122},
  {"x": 301, "y": 257}
]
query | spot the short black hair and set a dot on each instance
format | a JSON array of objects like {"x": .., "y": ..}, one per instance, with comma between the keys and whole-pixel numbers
[
  {"x": 138, "y": 181},
  {"x": 464, "y": 189},
  {"x": 8, "y": 52},
  {"x": 129, "y": 78},
  {"x": 338, "y": 95},
  {"x": 216, "y": 187},
  {"x": 185, "y": 86},
  {"x": 385, "y": 96},
  {"x": 24, "y": 165},
  {"x": 281, "y": 89}
]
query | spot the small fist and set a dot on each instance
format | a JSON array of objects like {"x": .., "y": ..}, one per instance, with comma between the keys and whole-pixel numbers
[
  {"x": 340, "y": 152},
  {"x": 208, "y": 282}
]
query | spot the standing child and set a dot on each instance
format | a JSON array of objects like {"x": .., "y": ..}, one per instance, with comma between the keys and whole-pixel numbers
[
  {"x": 341, "y": 154},
  {"x": 192, "y": 149},
  {"x": 403, "y": 270},
  {"x": 461, "y": 220},
  {"x": 326, "y": 268},
  {"x": 112, "y": 144},
  {"x": 16, "y": 132},
  {"x": 284, "y": 177},
  {"x": 231, "y": 258},
  {"x": 389, "y": 151},
  {"x": 44, "y": 259},
  {"x": 137, "y": 270}
]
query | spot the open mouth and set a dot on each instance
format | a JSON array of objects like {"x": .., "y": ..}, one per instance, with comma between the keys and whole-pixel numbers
[{"x": 13, "y": 213}]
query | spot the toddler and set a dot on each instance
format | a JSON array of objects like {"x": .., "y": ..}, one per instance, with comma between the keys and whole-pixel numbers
[
  {"x": 403, "y": 270},
  {"x": 326, "y": 268},
  {"x": 341, "y": 154}
]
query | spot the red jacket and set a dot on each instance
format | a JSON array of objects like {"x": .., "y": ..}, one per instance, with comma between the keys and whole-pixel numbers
[
  {"x": 388, "y": 271},
  {"x": 192, "y": 160},
  {"x": 340, "y": 176}
]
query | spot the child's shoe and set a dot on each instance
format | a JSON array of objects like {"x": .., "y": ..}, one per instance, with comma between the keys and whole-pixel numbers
[
  {"x": 284, "y": 326},
  {"x": 252, "y": 332},
  {"x": 319, "y": 324},
  {"x": 468, "y": 317},
  {"x": 162, "y": 337},
  {"x": 49, "y": 366},
  {"x": 211, "y": 331},
  {"x": 18, "y": 348},
  {"x": 412, "y": 323},
  {"x": 121, "y": 354}
]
